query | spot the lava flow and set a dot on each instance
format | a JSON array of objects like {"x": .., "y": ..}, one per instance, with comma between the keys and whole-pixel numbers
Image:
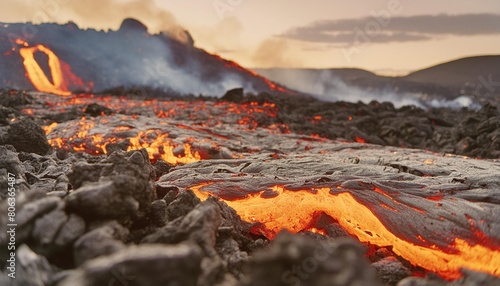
[
  {"x": 60, "y": 72},
  {"x": 194, "y": 142},
  {"x": 293, "y": 210},
  {"x": 280, "y": 180},
  {"x": 156, "y": 142}
]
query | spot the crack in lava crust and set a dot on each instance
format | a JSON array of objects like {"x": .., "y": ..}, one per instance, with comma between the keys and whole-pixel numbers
[{"x": 292, "y": 210}]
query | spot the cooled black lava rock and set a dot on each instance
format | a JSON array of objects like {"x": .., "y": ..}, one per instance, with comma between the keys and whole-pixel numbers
[
  {"x": 151, "y": 264},
  {"x": 133, "y": 24},
  {"x": 390, "y": 270},
  {"x": 31, "y": 269},
  {"x": 234, "y": 95},
  {"x": 470, "y": 278},
  {"x": 7, "y": 113},
  {"x": 95, "y": 109},
  {"x": 123, "y": 190},
  {"x": 103, "y": 240},
  {"x": 199, "y": 225},
  {"x": 13, "y": 98},
  {"x": 10, "y": 163},
  {"x": 158, "y": 212},
  {"x": 182, "y": 205},
  {"x": 26, "y": 136},
  {"x": 298, "y": 260}
]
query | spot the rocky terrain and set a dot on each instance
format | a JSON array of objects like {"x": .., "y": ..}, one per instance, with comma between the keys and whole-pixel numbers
[{"x": 109, "y": 206}]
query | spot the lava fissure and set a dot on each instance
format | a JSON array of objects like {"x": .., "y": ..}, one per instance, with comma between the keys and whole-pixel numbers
[{"x": 359, "y": 221}]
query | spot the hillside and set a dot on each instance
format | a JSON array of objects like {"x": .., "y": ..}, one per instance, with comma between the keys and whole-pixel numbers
[
  {"x": 475, "y": 79},
  {"x": 459, "y": 72}
]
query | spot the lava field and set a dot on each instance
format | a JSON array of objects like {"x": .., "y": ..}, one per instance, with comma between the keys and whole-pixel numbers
[{"x": 120, "y": 189}]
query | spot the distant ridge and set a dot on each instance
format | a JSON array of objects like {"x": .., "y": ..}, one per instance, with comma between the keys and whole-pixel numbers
[
  {"x": 458, "y": 72},
  {"x": 476, "y": 77}
]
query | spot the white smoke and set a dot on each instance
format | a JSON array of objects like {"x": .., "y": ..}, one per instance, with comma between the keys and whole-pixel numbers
[
  {"x": 457, "y": 103},
  {"x": 326, "y": 85}
]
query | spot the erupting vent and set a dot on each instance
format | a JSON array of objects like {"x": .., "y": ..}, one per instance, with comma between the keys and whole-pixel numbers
[{"x": 129, "y": 57}]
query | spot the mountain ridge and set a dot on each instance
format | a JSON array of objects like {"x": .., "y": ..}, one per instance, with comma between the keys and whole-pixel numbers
[{"x": 477, "y": 77}]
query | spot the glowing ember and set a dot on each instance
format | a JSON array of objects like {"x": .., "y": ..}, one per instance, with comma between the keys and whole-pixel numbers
[
  {"x": 275, "y": 214},
  {"x": 162, "y": 147},
  {"x": 359, "y": 139},
  {"x": 88, "y": 135},
  {"x": 156, "y": 142}
]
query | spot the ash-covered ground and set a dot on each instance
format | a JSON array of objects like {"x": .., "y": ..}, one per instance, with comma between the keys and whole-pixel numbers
[{"x": 97, "y": 202}]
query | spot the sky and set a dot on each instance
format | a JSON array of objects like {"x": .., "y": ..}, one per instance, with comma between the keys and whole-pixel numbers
[{"x": 389, "y": 37}]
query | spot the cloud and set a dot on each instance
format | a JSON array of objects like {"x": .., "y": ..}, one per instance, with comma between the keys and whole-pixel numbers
[
  {"x": 275, "y": 52},
  {"x": 396, "y": 29}
]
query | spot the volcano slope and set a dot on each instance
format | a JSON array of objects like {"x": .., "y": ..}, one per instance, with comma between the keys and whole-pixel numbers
[{"x": 112, "y": 189}]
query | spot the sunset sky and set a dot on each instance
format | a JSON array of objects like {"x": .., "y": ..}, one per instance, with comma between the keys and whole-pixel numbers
[{"x": 406, "y": 35}]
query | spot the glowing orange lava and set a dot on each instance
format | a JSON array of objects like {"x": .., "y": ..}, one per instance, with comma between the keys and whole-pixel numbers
[
  {"x": 60, "y": 71},
  {"x": 85, "y": 136},
  {"x": 161, "y": 147},
  {"x": 38, "y": 77},
  {"x": 157, "y": 143},
  {"x": 293, "y": 210}
]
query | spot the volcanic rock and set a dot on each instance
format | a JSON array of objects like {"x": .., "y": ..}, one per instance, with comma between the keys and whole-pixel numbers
[
  {"x": 14, "y": 98},
  {"x": 102, "y": 200},
  {"x": 46, "y": 227},
  {"x": 10, "y": 163},
  {"x": 95, "y": 109},
  {"x": 31, "y": 269},
  {"x": 158, "y": 212},
  {"x": 405, "y": 189},
  {"x": 299, "y": 260},
  {"x": 234, "y": 95},
  {"x": 84, "y": 172},
  {"x": 161, "y": 168},
  {"x": 72, "y": 229},
  {"x": 152, "y": 264},
  {"x": 26, "y": 136},
  {"x": 200, "y": 226},
  {"x": 133, "y": 24},
  {"x": 29, "y": 211},
  {"x": 470, "y": 278},
  {"x": 84, "y": 213},
  {"x": 100, "y": 241},
  {"x": 6, "y": 114},
  {"x": 182, "y": 205},
  {"x": 123, "y": 189},
  {"x": 390, "y": 270}
]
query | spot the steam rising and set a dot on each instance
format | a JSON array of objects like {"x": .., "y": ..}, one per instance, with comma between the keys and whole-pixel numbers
[{"x": 328, "y": 86}]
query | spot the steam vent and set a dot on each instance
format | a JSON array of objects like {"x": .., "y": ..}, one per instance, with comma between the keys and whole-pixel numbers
[{"x": 132, "y": 158}]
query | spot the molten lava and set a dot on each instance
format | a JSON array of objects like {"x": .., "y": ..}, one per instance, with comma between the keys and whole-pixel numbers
[
  {"x": 38, "y": 77},
  {"x": 161, "y": 147},
  {"x": 87, "y": 135},
  {"x": 156, "y": 142},
  {"x": 293, "y": 210},
  {"x": 60, "y": 72}
]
